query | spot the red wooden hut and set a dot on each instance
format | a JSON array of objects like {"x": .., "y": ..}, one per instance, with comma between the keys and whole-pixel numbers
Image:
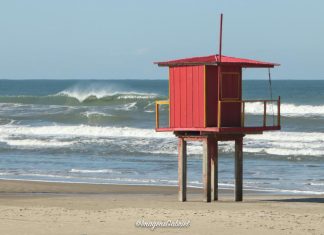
[
  {"x": 205, "y": 104},
  {"x": 202, "y": 99}
]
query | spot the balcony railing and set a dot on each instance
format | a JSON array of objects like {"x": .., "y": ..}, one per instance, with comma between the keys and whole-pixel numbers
[
  {"x": 157, "y": 111},
  {"x": 243, "y": 106},
  {"x": 264, "y": 103}
]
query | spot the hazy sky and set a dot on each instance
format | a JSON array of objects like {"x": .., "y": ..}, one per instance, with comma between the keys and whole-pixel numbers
[{"x": 105, "y": 39}]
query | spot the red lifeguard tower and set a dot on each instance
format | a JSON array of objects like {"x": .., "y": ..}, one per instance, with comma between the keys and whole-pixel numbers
[{"x": 205, "y": 104}]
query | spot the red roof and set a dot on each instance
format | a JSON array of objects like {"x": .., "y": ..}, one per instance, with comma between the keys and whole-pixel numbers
[{"x": 214, "y": 59}]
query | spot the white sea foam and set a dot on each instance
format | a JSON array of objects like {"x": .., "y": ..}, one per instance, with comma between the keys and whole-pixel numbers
[
  {"x": 36, "y": 143},
  {"x": 89, "y": 114},
  {"x": 287, "y": 143},
  {"x": 149, "y": 141},
  {"x": 127, "y": 107},
  {"x": 292, "y": 137},
  {"x": 286, "y": 151},
  {"x": 288, "y": 110},
  {"x": 27, "y": 137},
  {"x": 274, "y": 143},
  {"x": 136, "y": 95},
  {"x": 79, "y": 131},
  {"x": 316, "y": 184},
  {"x": 110, "y": 171}
]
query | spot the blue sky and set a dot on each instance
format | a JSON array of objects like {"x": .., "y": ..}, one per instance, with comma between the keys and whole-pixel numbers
[{"x": 103, "y": 39}]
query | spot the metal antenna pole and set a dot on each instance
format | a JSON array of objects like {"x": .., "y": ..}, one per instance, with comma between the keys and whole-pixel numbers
[
  {"x": 219, "y": 73},
  {"x": 220, "y": 38}
]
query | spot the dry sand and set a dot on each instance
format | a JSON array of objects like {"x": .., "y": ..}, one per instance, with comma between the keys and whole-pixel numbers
[{"x": 83, "y": 209}]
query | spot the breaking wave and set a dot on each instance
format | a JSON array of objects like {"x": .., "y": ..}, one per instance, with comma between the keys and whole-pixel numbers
[
  {"x": 83, "y": 96},
  {"x": 75, "y": 98}
]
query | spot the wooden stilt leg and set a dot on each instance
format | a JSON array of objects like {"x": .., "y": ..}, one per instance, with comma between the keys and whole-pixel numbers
[
  {"x": 239, "y": 169},
  {"x": 182, "y": 170},
  {"x": 207, "y": 169},
  {"x": 214, "y": 170}
]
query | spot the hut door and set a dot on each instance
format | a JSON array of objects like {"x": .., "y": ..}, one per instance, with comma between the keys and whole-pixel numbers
[
  {"x": 231, "y": 96},
  {"x": 231, "y": 85}
]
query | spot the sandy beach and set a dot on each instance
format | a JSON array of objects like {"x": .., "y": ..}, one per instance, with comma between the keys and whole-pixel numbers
[{"x": 61, "y": 208}]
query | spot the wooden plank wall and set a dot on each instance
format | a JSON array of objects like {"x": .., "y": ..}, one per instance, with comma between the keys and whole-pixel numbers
[{"x": 187, "y": 97}]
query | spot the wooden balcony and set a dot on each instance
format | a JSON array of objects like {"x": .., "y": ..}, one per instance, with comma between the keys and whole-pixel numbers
[{"x": 243, "y": 128}]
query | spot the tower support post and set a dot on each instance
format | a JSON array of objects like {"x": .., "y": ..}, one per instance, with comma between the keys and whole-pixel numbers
[
  {"x": 182, "y": 170},
  {"x": 207, "y": 155},
  {"x": 239, "y": 169},
  {"x": 214, "y": 170}
]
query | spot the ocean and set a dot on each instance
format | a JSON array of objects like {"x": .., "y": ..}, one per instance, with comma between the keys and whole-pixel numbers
[{"x": 102, "y": 131}]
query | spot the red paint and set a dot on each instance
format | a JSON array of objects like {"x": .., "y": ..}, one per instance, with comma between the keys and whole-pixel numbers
[
  {"x": 187, "y": 96},
  {"x": 195, "y": 97},
  {"x": 233, "y": 130},
  {"x": 190, "y": 89},
  {"x": 231, "y": 90},
  {"x": 171, "y": 97},
  {"x": 230, "y": 85},
  {"x": 183, "y": 103},
  {"x": 201, "y": 96},
  {"x": 214, "y": 59},
  {"x": 211, "y": 95}
]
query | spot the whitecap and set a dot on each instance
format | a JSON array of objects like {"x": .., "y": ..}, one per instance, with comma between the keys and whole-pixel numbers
[{"x": 83, "y": 94}]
